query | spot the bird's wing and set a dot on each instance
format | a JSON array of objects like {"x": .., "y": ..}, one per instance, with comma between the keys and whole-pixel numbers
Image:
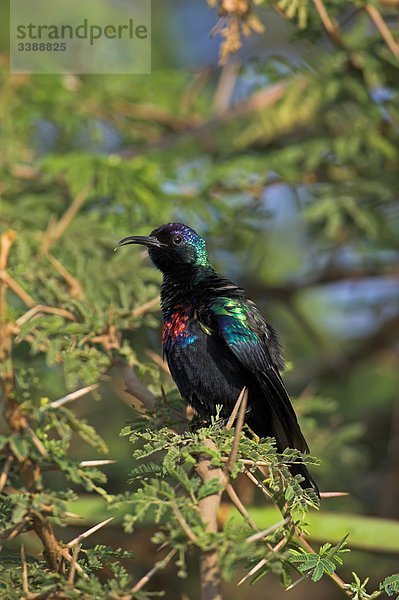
[{"x": 254, "y": 343}]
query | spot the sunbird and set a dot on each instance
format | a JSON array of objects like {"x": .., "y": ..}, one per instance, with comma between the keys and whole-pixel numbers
[{"x": 216, "y": 341}]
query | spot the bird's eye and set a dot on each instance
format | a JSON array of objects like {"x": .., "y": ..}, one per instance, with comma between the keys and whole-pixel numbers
[{"x": 177, "y": 240}]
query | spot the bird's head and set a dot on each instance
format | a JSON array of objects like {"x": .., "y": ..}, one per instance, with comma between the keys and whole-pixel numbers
[{"x": 172, "y": 247}]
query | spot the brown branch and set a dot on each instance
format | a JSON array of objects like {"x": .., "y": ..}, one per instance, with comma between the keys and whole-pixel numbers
[
  {"x": 53, "y": 550},
  {"x": 11, "y": 409},
  {"x": 74, "y": 563},
  {"x": 237, "y": 433},
  {"x": 225, "y": 86},
  {"x": 153, "y": 112},
  {"x": 201, "y": 77},
  {"x": 37, "y": 443},
  {"x": 183, "y": 523},
  {"x": 55, "y": 231},
  {"x": 158, "y": 360},
  {"x": 10, "y": 533},
  {"x": 159, "y": 565},
  {"x": 239, "y": 506},
  {"x": 17, "y": 289},
  {"x": 383, "y": 28},
  {"x": 88, "y": 533},
  {"x": 49, "y": 310},
  {"x": 75, "y": 289},
  {"x": 329, "y": 25},
  {"x": 235, "y": 410},
  {"x": 146, "y": 307},
  {"x": 258, "y": 484},
  {"x": 25, "y": 587},
  {"x": 136, "y": 388},
  {"x": 73, "y": 396},
  {"x": 5, "y": 471},
  {"x": 256, "y": 537},
  {"x": 208, "y": 507},
  {"x": 65, "y": 555},
  {"x": 263, "y": 562}
]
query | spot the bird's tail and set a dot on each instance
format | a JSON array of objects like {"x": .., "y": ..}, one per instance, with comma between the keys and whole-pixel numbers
[
  {"x": 308, "y": 481},
  {"x": 275, "y": 417}
]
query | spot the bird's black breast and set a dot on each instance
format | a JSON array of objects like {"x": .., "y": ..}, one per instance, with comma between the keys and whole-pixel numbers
[{"x": 205, "y": 371}]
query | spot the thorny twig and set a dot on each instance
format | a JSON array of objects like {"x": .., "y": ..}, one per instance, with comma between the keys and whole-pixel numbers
[
  {"x": 74, "y": 563},
  {"x": 239, "y": 506},
  {"x": 25, "y": 586},
  {"x": 238, "y": 429},
  {"x": 161, "y": 564},
  {"x": 73, "y": 396},
  {"x": 87, "y": 533}
]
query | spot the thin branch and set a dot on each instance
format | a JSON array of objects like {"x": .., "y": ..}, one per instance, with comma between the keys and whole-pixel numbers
[
  {"x": 96, "y": 463},
  {"x": 239, "y": 506},
  {"x": 258, "y": 484},
  {"x": 12, "y": 532},
  {"x": 235, "y": 410},
  {"x": 73, "y": 396},
  {"x": 25, "y": 587},
  {"x": 256, "y": 537},
  {"x": 5, "y": 471},
  {"x": 88, "y": 533},
  {"x": 65, "y": 554},
  {"x": 136, "y": 388},
  {"x": 75, "y": 288},
  {"x": 17, "y": 289},
  {"x": 183, "y": 523},
  {"x": 153, "y": 112},
  {"x": 50, "y": 310},
  {"x": 37, "y": 443},
  {"x": 237, "y": 433},
  {"x": 158, "y": 360},
  {"x": 329, "y": 25},
  {"x": 262, "y": 562},
  {"x": 74, "y": 562},
  {"x": 146, "y": 307},
  {"x": 71, "y": 515},
  {"x": 201, "y": 77},
  {"x": 55, "y": 231},
  {"x": 7, "y": 240},
  {"x": 248, "y": 461},
  {"x": 383, "y": 28},
  {"x": 161, "y": 564},
  {"x": 225, "y": 86}
]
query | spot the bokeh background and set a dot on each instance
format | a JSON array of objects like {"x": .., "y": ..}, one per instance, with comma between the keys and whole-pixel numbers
[{"x": 286, "y": 160}]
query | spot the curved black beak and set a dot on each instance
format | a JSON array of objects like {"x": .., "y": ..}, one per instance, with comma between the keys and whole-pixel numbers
[{"x": 149, "y": 241}]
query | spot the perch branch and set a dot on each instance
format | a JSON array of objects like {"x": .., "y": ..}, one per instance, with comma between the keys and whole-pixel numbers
[{"x": 208, "y": 507}]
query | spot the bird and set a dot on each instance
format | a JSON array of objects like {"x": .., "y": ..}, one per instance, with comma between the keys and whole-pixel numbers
[{"x": 216, "y": 341}]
